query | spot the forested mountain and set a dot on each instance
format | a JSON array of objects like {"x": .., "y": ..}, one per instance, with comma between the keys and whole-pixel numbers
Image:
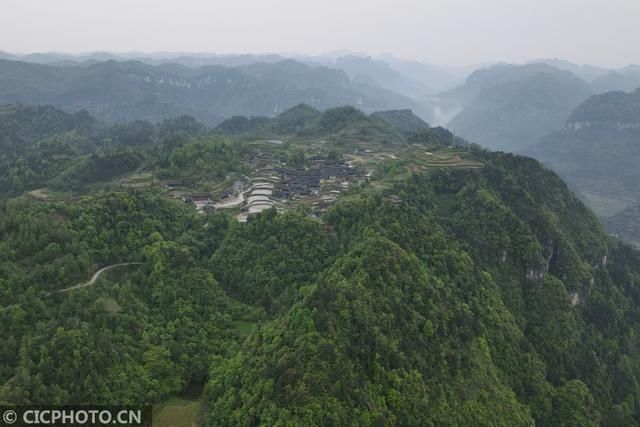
[
  {"x": 448, "y": 286},
  {"x": 44, "y": 146},
  {"x": 508, "y": 107},
  {"x": 452, "y": 307},
  {"x": 118, "y": 91},
  {"x": 340, "y": 121},
  {"x": 598, "y": 152}
]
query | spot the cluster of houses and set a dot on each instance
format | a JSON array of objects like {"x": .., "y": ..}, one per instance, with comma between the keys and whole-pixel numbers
[
  {"x": 307, "y": 181},
  {"x": 274, "y": 183}
]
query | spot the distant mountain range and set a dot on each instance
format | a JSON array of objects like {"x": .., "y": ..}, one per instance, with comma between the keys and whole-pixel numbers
[
  {"x": 508, "y": 107},
  {"x": 599, "y": 147},
  {"x": 503, "y": 106},
  {"x": 131, "y": 90},
  {"x": 586, "y": 72},
  {"x": 187, "y": 59},
  {"x": 598, "y": 153},
  {"x": 410, "y": 78}
]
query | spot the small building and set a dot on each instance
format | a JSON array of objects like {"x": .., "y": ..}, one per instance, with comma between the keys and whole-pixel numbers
[
  {"x": 173, "y": 185},
  {"x": 202, "y": 201}
]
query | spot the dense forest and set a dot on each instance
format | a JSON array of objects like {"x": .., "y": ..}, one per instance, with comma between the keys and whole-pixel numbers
[{"x": 452, "y": 296}]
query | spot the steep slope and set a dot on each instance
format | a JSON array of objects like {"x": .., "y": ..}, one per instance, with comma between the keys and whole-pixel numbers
[
  {"x": 353, "y": 352},
  {"x": 481, "y": 297},
  {"x": 509, "y": 107}
]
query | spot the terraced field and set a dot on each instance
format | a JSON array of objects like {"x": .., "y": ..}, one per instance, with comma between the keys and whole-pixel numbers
[
  {"x": 138, "y": 180},
  {"x": 444, "y": 159}
]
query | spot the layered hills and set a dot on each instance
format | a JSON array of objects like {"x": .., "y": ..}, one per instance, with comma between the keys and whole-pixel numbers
[
  {"x": 508, "y": 107},
  {"x": 440, "y": 284},
  {"x": 598, "y": 151},
  {"x": 119, "y": 91}
]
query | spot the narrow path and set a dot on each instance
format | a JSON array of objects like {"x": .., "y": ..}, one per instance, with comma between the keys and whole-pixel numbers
[
  {"x": 96, "y": 275},
  {"x": 91, "y": 281}
]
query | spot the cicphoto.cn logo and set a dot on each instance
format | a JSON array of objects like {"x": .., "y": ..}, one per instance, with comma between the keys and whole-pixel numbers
[{"x": 77, "y": 416}]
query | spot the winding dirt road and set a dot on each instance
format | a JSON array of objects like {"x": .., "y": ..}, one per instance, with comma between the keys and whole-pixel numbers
[
  {"x": 91, "y": 281},
  {"x": 96, "y": 275}
]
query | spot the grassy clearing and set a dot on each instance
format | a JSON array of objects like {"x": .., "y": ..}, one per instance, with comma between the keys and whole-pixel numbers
[
  {"x": 178, "y": 412},
  {"x": 49, "y": 195}
]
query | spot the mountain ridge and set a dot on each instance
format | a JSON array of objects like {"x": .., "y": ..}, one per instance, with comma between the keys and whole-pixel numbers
[{"x": 118, "y": 91}]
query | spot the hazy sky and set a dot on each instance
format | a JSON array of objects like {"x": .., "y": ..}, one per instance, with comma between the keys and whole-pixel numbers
[{"x": 604, "y": 32}]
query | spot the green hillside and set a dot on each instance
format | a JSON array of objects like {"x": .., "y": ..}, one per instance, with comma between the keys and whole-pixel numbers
[{"x": 394, "y": 279}]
